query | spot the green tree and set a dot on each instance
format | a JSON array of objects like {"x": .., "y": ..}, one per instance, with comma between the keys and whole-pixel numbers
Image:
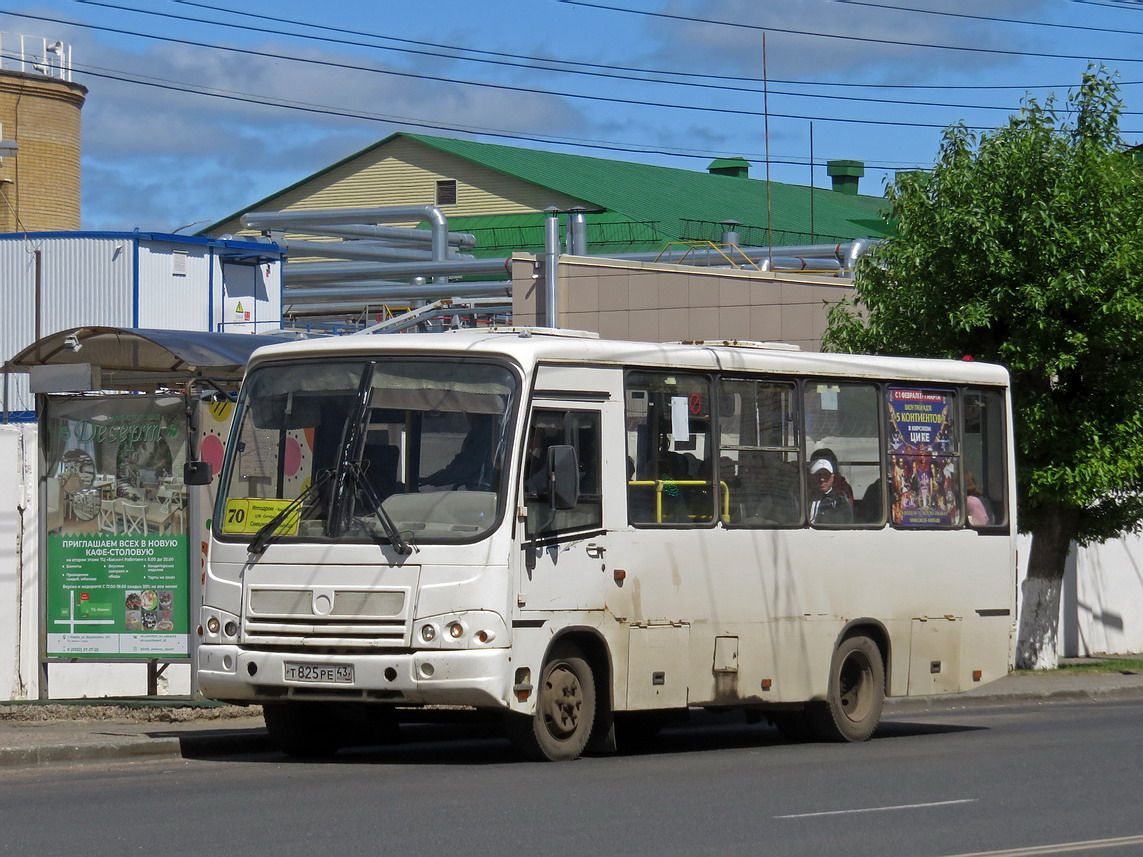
[{"x": 1024, "y": 246}]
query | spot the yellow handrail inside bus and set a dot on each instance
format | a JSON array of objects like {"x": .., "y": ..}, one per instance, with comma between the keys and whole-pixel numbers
[{"x": 658, "y": 484}]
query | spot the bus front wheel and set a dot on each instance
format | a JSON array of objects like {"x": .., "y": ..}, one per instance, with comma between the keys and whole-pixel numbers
[
  {"x": 565, "y": 710},
  {"x": 856, "y": 695}
]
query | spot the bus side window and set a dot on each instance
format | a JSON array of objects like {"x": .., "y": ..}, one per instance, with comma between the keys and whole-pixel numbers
[
  {"x": 668, "y": 440},
  {"x": 843, "y": 454},
  {"x": 984, "y": 464},
  {"x": 758, "y": 443},
  {"x": 581, "y": 431}
]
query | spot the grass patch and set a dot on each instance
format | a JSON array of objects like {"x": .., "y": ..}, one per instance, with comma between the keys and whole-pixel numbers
[{"x": 1095, "y": 666}]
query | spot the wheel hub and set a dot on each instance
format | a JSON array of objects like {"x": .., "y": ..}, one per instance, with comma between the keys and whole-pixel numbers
[{"x": 563, "y": 700}]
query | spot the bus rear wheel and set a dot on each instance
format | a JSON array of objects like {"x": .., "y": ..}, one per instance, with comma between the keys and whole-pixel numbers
[
  {"x": 565, "y": 710},
  {"x": 852, "y": 707}
]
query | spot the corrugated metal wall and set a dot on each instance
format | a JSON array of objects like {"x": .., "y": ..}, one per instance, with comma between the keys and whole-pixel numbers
[
  {"x": 90, "y": 279},
  {"x": 175, "y": 282},
  {"x": 84, "y": 280}
]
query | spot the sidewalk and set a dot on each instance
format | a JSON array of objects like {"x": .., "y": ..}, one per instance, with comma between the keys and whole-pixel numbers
[{"x": 41, "y": 733}]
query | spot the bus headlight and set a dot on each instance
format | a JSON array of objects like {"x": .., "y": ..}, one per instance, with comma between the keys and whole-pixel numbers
[
  {"x": 219, "y": 626},
  {"x": 473, "y": 629}
]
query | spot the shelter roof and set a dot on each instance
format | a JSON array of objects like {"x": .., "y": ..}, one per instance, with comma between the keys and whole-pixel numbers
[{"x": 141, "y": 359}]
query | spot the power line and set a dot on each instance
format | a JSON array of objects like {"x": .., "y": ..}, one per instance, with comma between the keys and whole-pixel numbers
[
  {"x": 665, "y": 105},
  {"x": 790, "y": 31},
  {"x": 719, "y": 87},
  {"x": 262, "y": 101},
  {"x": 527, "y": 61},
  {"x": 988, "y": 18}
]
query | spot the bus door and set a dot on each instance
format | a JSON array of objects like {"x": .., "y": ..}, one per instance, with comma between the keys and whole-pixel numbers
[
  {"x": 563, "y": 557},
  {"x": 562, "y": 548}
]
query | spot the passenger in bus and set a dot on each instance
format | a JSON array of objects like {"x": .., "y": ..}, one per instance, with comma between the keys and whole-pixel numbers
[
  {"x": 828, "y": 505},
  {"x": 839, "y": 481},
  {"x": 976, "y": 505},
  {"x": 471, "y": 468}
]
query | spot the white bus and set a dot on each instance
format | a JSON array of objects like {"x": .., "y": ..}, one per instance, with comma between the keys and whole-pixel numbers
[{"x": 592, "y": 536}]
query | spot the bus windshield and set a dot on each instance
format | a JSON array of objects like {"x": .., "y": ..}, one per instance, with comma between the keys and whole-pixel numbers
[{"x": 425, "y": 440}]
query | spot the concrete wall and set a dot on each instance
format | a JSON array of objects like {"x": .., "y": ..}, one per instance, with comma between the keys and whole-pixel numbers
[
  {"x": 656, "y": 302},
  {"x": 1102, "y": 604},
  {"x": 18, "y": 565}
]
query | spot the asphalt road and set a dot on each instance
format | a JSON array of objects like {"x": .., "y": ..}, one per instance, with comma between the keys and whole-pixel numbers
[{"x": 932, "y": 784}]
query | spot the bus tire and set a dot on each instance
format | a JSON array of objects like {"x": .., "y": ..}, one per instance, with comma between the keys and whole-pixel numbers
[
  {"x": 302, "y": 729},
  {"x": 565, "y": 710},
  {"x": 856, "y": 694}
]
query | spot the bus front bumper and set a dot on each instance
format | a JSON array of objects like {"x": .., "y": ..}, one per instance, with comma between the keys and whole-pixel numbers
[{"x": 479, "y": 678}]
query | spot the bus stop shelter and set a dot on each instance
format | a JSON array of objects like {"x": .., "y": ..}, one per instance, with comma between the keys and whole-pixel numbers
[{"x": 126, "y": 420}]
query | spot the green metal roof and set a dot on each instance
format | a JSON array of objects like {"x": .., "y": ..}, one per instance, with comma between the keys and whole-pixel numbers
[
  {"x": 645, "y": 206},
  {"x": 678, "y": 201}
]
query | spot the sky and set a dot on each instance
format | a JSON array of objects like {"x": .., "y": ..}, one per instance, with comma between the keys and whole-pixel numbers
[{"x": 196, "y": 109}]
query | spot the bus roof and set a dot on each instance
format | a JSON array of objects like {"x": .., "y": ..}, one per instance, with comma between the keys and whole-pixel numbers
[{"x": 531, "y": 346}]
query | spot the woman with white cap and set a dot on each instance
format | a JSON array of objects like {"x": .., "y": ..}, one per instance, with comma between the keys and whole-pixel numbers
[{"x": 828, "y": 505}]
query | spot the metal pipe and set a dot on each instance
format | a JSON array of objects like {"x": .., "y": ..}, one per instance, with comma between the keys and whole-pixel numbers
[
  {"x": 387, "y": 233},
  {"x": 348, "y": 272},
  {"x": 799, "y": 263},
  {"x": 551, "y": 268},
  {"x": 390, "y": 214},
  {"x": 395, "y": 290},
  {"x": 343, "y": 308},
  {"x": 371, "y": 250},
  {"x": 577, "y": 233},
  {"x": 855, "y": 251},
  {"x": 710, "y": 257}
]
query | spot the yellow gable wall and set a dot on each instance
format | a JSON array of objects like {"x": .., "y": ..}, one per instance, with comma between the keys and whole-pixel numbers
[{"x": 405, "y": 172}]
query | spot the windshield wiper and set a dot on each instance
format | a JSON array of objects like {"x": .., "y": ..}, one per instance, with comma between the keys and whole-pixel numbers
[
  {"x": 356, "y": 471},
  {"x": 269, "y": 529}
]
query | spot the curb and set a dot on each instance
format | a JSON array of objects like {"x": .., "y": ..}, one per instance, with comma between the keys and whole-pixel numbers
[
  {"x": 905, "y": 705},
  {"x": 50, "y": 754},
  {"x": 185, "y": 746}
]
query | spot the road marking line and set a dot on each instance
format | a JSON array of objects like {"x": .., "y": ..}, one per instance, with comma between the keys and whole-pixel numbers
[
  {"x": 880, "y": 809},
  {"x": 1058, "y": 848}
]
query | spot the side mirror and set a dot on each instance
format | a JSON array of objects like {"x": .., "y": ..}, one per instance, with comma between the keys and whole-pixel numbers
[
  {"x": 563, "y": 477},
  {"x": 197, "y": 473}
]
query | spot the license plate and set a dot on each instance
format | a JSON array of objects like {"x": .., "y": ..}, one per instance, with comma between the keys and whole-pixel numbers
[{"x": 321, "y": 673}]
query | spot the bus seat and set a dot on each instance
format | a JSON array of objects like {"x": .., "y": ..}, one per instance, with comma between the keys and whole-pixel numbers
[{"x": 867, "y": 510}]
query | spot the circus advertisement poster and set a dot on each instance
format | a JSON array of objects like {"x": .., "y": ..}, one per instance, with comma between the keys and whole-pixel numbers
[
  {"x": 923, "y": 463},
  {"x": 116, "y": 527}
]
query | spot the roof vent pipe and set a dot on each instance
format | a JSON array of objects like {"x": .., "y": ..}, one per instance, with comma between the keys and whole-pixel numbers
[
  {"x": 730, "y": 233},
  {"x": 551, "y": 265},
  {"x": 737, "y": 167},
  {"x": 577, "y": 232},
  {"x": 845, "y": 175}
]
